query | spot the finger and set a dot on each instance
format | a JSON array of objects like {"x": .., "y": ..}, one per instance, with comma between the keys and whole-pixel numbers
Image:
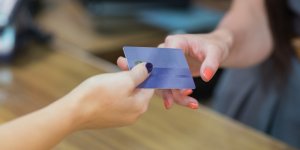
[
  {"x": 162, "y": 45},
  {"x": 176, "y": 41},
  {"x": 140, "y": 73},
  {"x": 210, "y": 65},
  {"x": 185, "y": 100},
  {"x": 122, "y": 63},
  {"x": 168, "y": 98},
  {"x": 186, "y": 92}
]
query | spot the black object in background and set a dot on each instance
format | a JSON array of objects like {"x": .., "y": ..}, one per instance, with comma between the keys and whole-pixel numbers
[{"x": 204, "y": 90}]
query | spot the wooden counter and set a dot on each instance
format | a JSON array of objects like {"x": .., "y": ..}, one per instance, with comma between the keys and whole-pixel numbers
[{"x": 42, "y": 76}]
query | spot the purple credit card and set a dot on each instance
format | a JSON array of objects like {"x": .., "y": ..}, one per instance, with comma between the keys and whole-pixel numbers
[{"x": 170, "y": 68}]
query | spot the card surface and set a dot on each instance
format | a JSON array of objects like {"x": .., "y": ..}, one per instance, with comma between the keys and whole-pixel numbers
[{"x": 170, "y": 68}]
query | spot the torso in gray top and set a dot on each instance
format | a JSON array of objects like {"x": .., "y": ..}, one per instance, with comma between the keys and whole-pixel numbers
[
  {"x": 295, "y": 7},
  {"x": 242, "y": 95}
]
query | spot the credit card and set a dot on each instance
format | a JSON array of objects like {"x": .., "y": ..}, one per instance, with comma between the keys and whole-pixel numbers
[{"x": 170, "y": 68}]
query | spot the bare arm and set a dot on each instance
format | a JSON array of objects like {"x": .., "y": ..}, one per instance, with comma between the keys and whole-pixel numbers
[
  {"x": 93, "y": 104},
  {"x": 247, "y": 23},
  {"x": 242, "y": 39},
  {"x": 39, "y": 130}
]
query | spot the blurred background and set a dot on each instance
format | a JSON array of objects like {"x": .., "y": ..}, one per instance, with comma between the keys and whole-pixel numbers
[
  {"x": 48, "y": 47},
  {"x": 102, "y": 27}
]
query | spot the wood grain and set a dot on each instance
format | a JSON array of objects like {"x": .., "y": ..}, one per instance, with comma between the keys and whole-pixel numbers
[{"x": 41, "y": 76}]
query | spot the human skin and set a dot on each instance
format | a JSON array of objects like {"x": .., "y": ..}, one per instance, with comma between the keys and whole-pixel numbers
[
  {"x": 242, "y": 39},
  {"x": 102, "y": 101}
]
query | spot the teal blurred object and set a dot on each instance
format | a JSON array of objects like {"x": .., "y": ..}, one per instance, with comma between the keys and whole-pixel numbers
[
  {"x": 195, "y": 19},
  {"x": 8, "y": 9},
  {"x": 18, "y": 27},
  {"x": 7, "y": 42}
]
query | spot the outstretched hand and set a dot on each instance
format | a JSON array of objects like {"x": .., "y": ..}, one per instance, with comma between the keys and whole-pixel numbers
[
  {"x": 169, "y": 96},
  {"x": 204, "y": 53}
]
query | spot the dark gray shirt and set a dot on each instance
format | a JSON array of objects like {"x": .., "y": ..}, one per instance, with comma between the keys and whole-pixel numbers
[
  {"x": 295, "y": 7},
  {"x": 243, "y": 95}
]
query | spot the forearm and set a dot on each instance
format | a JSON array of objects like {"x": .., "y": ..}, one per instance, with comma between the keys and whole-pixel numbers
[
  {"x": 39, "y": 130},
  {"x": 246, "y": 25},
  {"x": 93, "y": 104}
]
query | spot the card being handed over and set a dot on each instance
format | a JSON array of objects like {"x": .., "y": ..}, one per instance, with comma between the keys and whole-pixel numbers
[{"x": 170, "y": 68}]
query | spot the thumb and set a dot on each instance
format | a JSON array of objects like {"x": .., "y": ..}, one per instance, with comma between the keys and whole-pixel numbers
[
  {"x": 209, "y": 66},
  {"x": 140, "y": 73}
]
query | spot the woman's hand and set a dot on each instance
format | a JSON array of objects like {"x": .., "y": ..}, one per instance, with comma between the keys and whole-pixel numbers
[
  {"x": 170, "y": 96},
  {"x": 204, "y": 53},
  {"x": 111, "y": 100},
  {"x": 102, "y": 101}
]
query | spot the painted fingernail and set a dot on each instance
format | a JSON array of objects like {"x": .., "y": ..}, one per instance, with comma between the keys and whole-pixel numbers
[
  {"x": 187, "y": 92},
  {"x": 149, "y": 67},
  {"x": 193, "y": 105},
  {"x": 208, "y": 73}
]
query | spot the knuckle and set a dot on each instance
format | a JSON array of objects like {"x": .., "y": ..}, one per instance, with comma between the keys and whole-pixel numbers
[
  {"x": 161, "y": 45},
  {"x": 172, "y": 38},
  {"x": 169, "y": 38}
]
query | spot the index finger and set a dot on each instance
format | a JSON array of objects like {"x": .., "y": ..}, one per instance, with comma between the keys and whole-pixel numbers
[{"x": 122, "y": 63}]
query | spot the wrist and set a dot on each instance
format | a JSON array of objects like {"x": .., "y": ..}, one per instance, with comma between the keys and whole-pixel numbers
[{"x": 66, "y": 111}]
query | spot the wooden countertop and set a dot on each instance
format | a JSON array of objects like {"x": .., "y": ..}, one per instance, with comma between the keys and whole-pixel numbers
[{"x": 42, "y": 76}]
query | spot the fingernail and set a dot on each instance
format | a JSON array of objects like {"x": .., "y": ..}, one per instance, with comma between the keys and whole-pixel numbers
[
  {"x": 187, "y": 92},
  {"x": 167, "y": 104},
  {"x": 149, "y": 67},
  {"x": 208, "y": 73},
  {"x": 193, "y": 105}
]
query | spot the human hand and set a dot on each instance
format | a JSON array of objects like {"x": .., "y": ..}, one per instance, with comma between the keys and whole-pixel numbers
[
  {"x": 169, "y": 96},
  {"x": 111, "y": 100},
  {"x": 204, "y": 52}
]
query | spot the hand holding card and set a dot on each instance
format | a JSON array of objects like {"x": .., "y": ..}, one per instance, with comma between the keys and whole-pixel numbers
[{"x": 170, "y": 68}]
